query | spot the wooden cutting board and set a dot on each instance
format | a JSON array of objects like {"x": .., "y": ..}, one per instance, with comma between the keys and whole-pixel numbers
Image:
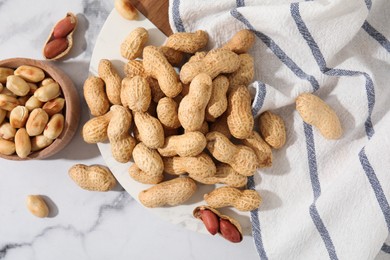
[{"x": 156, "y": 12}]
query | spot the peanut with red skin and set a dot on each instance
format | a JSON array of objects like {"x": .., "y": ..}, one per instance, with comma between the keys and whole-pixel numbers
[
  {"x": 229, "y": 231},
  {"x": 55, "y": 47},
  {"x": 210, "y": 220},
  {"x": 64, "y": 27},
  {"x": 226, "y": 226}
]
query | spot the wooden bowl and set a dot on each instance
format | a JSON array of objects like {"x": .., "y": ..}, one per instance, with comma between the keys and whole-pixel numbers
[{"x": 71, "y": 110}]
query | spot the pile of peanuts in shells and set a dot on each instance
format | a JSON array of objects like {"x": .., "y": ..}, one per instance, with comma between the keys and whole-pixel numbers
[{"x": 195, "y": 126}]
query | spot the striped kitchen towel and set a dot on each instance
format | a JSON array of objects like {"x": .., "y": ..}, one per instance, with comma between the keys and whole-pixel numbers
[{"x": 322, "y": 199}]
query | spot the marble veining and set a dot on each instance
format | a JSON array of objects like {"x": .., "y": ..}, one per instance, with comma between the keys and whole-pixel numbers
[{"x": 116, "y": 205}]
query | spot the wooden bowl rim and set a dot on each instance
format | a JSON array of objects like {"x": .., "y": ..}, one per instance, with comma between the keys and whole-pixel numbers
[{"x": 72, "y": 106}]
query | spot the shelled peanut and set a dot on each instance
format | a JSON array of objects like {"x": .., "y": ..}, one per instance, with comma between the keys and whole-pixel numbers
[
  {"x": 31, "y": 107},
  {"x": 184, "y": 122}
]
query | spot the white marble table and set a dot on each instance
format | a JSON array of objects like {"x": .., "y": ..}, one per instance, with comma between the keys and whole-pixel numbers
[{"x": 82, "y": 224}]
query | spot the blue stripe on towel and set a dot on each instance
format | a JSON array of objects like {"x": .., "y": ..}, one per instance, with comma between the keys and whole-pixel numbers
[
  {"x": 335, "y": 72},
  {"x": 380, "y": 38},
  {"x": 256, "y": 230},
  {"x": 299, "y": 73},
  {"x": 258, "y": 102},
  {"x": 368, "y": 3},
  {"x": 381, "y": 198},
  {"x": 315, "y": 182},
  {"x": 176, "y": 16},
  {"x": 376, "y": 186},
  {"x": 277, "y": 50},
  {"x": 240, "y": 3},
  {"x": 386, "y": 248}
]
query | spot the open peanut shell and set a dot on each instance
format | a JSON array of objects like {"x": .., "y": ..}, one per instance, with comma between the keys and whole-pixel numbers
[
  {"x": 196, "y": 214},
  {"x": 69, "y": 38}
]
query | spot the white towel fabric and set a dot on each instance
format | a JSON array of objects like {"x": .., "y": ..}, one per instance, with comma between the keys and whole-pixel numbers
[{"x": 321, "y": 199}]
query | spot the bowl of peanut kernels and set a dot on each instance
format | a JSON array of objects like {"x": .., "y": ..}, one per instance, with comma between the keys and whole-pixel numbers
[{"x": 39, "y": 109}]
